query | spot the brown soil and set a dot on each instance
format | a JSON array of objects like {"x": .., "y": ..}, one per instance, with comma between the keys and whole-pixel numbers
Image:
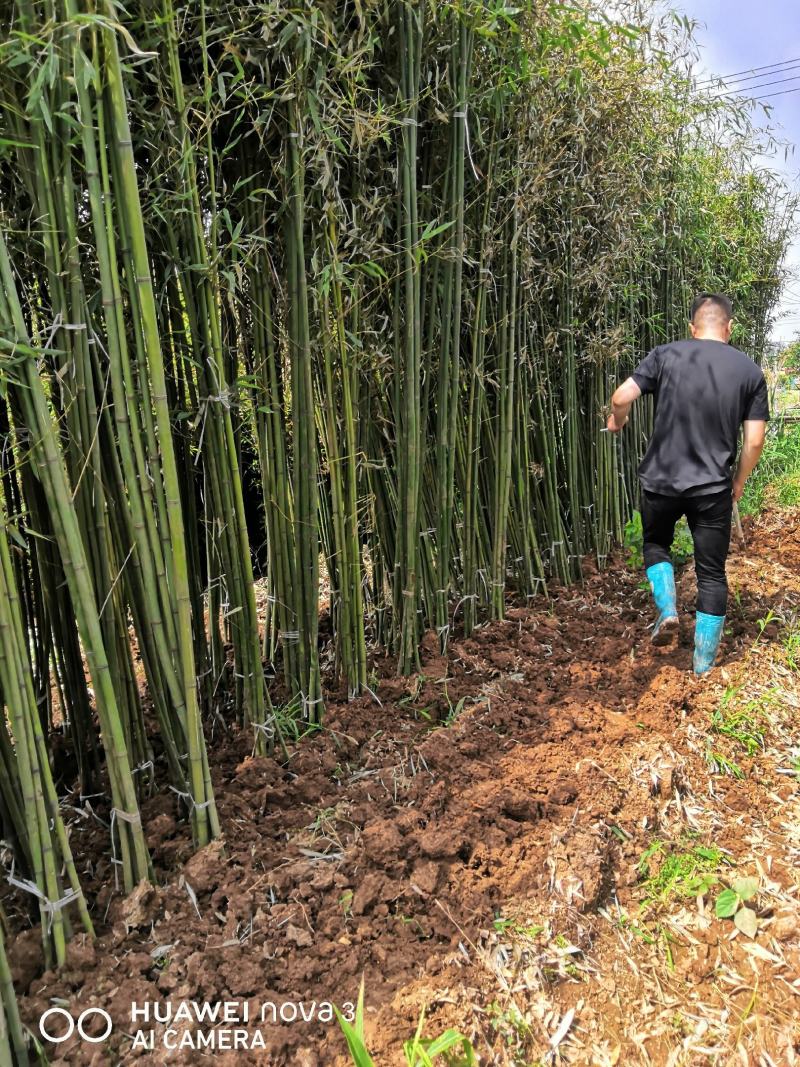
[{"x": 471, "y": 847}]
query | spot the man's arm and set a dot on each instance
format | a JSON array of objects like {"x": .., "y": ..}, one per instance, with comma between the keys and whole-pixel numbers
[
  {"x": 752, "y": 446},
  {"x": 621, "y": 403}
]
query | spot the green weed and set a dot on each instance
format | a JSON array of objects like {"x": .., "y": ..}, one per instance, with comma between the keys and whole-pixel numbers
[
  {"x": 682, "y": 546},
  {"x": 633, "y": 541},
  {"x": 652, "y": 933},
  {"x": 454, "y": 712},
  {"x": 451, "y": 1049},
  {"x": 790, "y": 642},
  {"x": 516, "y": 928},
  {"x": 718, "y": 763},
  {"x": 346, "y": 903},
  {"x": 625, "y": 922},
  {"x": 764, "y": 623},
  {"x": 742, "y": 723},
  {"x": 779, "y": 468},
  {"x": 290, "y": 722},
  {"x": 413, "y": 922},
  {"x": 513, "y": 1028},
  {"x": 789, "y": 491},
  {"x": 688, "y": 873}
]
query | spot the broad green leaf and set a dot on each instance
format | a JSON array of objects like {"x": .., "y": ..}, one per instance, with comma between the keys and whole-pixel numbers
[
  {"x": 707, "y": 853},
  {"x": 727, "y": 903},
  {"x": 746, "y": 887}
]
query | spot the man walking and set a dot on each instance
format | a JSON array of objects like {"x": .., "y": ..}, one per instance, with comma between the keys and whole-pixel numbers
[{"x": 704, "y": 390}]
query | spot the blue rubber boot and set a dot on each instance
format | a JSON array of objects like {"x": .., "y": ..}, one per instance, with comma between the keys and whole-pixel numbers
[
  {"x": 707, "y": 635},
  {"x": 662, "y": 584}
]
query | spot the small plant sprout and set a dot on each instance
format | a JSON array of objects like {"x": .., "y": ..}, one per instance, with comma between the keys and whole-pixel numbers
[
  {"x": 346, "y": 903},
  {"x": 731, "y": 903},
  {"x": 454, "y": 1049},
  {"x": 718, "y": 763},
  {"x": 764, "y": 623},
  {"x": 354, "y": 1033},
  {"x": 450, "y": 1049},
  {"x": 516, "y": 928}
]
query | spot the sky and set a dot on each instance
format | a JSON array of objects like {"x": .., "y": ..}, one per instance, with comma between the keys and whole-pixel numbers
[{"x": 738, "y": 35}]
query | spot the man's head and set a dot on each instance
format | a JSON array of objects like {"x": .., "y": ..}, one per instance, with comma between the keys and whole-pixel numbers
[{"x": 712, "y": 317}]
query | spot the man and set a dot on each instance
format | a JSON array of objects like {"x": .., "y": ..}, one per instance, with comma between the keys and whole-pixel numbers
[{"x": 704, "y": 391}]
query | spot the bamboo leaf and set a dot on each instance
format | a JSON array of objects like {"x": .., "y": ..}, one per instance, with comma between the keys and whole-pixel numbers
[{"x": 433, "y": 230}]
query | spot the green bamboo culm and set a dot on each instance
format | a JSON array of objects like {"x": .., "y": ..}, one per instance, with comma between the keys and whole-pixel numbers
[
  {"x": 307, "y": 325},
  {"x": 13, "y": 1047},
  {"x": 30, "y": 397},
  {"x": 44, "y": 830},
  {"x": 205, "y": 823},
  {"x": 409, "y": 444},
  {"x": 303, "y": 421}
]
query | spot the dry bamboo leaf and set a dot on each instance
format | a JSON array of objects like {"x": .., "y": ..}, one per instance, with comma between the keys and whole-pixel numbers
[{"x": 563, "y": 1029}]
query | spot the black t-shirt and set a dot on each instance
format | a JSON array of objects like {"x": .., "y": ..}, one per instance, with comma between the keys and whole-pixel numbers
[{"x": 703, "y": 391}]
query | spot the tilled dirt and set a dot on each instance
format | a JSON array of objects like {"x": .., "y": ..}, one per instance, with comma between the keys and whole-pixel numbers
[{"x": 470, "y": 845}]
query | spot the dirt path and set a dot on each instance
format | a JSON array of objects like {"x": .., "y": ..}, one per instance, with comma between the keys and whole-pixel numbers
[{"x": 475, "y": 847}]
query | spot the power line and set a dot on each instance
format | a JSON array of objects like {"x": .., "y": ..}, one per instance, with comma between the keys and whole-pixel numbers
[
  {"x": 750, "y": 70},
  {"x": 757, "y": 77},
  {"x": 747, "y": 90},
  {"x": 782, "y": 93}
]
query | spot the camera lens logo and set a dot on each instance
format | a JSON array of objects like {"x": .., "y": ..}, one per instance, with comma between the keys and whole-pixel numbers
[{"x": 72, "y": 1025}]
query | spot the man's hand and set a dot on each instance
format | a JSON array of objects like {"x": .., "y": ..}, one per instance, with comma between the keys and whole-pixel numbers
[
  {"x": 613, "y": 426},
  {"x": 752, "y": 445},
  {"x": 621, "y": 404}
]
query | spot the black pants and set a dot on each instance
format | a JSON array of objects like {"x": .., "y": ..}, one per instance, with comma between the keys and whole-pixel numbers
[{"x": 709, "y": 519}]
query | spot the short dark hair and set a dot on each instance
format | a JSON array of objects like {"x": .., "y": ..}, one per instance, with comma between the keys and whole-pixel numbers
[{"x": 716, "y": 304}]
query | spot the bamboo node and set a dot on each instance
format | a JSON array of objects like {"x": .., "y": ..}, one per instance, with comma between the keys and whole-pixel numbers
[
  {"x": 266, "y": 728},
  {"x": 190, "y": 800},
  {"x": 50, "y": 907},
  {"x": 134, "y": 818}
]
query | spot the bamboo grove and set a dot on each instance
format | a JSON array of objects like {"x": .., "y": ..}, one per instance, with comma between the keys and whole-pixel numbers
[{"x": 308, "y": 315}]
